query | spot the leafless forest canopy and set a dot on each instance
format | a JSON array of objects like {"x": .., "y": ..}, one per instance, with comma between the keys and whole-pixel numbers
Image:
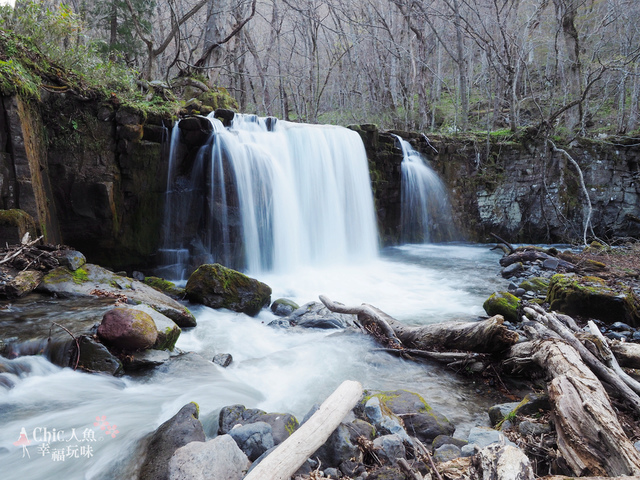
[{"x": 446, "y": 65}]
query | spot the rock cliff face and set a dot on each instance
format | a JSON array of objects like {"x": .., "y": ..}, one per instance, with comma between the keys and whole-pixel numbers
[
  {"x": 92, "y": 174},
  {"x": 521, "y": 191}
]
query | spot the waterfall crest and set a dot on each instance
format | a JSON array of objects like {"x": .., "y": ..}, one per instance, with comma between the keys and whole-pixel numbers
[
  {"x": 268, "y": 195},
  {"x": 425, "y": 208}
]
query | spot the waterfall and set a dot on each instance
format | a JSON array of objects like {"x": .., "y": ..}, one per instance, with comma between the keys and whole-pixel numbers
[
  {"x": 270, "y": 195},
  {"x": 425, "y": 209}
]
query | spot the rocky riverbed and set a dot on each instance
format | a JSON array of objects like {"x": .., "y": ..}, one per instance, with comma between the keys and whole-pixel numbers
[{"x": 392, "y": 434}]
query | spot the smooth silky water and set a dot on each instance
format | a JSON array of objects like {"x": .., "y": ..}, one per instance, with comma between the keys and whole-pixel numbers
[{"x": 300, "y": 241}]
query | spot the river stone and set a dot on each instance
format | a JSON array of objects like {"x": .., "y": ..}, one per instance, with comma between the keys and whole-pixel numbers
[
  {"x": 253, "y": 439},
  {"x": 420, "y": 420},
  {"x": 147, "y": 359},
  {"x": 538, "y": 285},
  {"x": 532, "y": 428},
  {"x": 168, "y": 331},
  {"x": 222, "y": 359},
  {"x": 95, "y": 357},
  {"x": 94, "y": 281},
  {"x": 447, "y": 440},
  {"x": 497, "y": 413},
  {"x": 485, "y": 436},
  {"x": 592, "y": 297},
  {"x": 338, "y": 448},
  {"x": 446, "y": 453},
  {"x": 180, "y": 430},
  {"x": 283, "y": 307},
  {"x": 72, "y": 259},
  {"x": 218, "y": 459},
  {"x": 282, "y": 424},
  {"x": 512, "y": 270},
  {"x": 128, "y": 329},
  {"x": 316, "y": 315},
  {"x": 503, "y": 303},
  {"x": 217, "y": 286},
  {"x": 389, "y": 448},
  {"x": 384, "y": 422}
]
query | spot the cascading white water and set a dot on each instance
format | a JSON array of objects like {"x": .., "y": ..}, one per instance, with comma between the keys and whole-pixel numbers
[
  {"x": 426, "y": 212},
  {"x": 300, "y": 195}
]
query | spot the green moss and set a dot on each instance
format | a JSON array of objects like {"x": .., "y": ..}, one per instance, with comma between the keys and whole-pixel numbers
[
  {"x": 536, "y": 284},
  {"x": 291, "y": 425},
  {"x": 165, "y": 286},
  {"x": 79, "y": 276},
  {"x": 505, "y": 304}
]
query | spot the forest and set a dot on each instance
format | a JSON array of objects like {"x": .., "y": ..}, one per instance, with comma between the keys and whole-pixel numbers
[{"x": 567, "y": 66}]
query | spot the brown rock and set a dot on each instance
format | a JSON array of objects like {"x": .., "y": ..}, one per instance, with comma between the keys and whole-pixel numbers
[{"x": 128, "y": 329}]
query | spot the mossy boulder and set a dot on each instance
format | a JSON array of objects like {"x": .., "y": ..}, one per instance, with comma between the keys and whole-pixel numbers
[
  {"x": 420, "y": 420},
  {"x": 538, "y": 285},
  {"x": 165, "y": 286},
  {"x": 503, "y": 303},
  {"x": 127, "y": 329},
  {"x": 283, "y": 307},
  {"x": 168, "y": 331},
  {"x": 217, "y": 286},
  {"x": 93, "y": 280},
  {"x": 14, "y": 224},
  {"x": 592, "y": 297}
]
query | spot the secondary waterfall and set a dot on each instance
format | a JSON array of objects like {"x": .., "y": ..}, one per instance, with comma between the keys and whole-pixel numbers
[
  {"x": 283, "y": 194},
  {"x": 426, "y": 212}
]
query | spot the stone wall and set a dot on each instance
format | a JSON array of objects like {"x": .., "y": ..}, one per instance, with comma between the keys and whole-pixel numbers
[{"x": 522, "y": 191}]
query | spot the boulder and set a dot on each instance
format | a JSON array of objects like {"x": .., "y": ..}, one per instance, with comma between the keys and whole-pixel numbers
[
  {"x": 92, "y": 280},
  {"x": 338, "y": 448},
  {"x": 316, "y": 315},
  {"x": 168, "y": 331},
  {"x": 95, "y": 357},
  {"x": 222, "y": 359},
  {"x": 592, "y": 297},
  {"x": 283, "y": 307},
  {"x": 146, "y": 359},
  {"x": 166, "y": 287},
  {"x": 383, "y": 420},
  {"x": 253, "y": 439},
  {"x": 446, "y": 453},
  {"x": 282, "y": 424},
  {"x": 484, "y": 436},
  {"x": 217, "y": 286},
  {"x": 128, "y": 329},
  {"x": 178, "y": 431},
  {"x": 218, "y": 459},
  {"x": 420, "y": 420},
  {"x": 72, "y": 259},
  {"x": 538, "y": 285},
  {"x": 389, "y": 448},
  {"x": 503, "y": 303}
]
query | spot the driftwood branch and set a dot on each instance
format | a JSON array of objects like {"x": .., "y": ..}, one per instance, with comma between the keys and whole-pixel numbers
[
  {"x": 10, "y": 256},
  {"x": 75, "y": 367},
  {"x": 289, "y": 456},
  {"x": 504, "y": 242}
]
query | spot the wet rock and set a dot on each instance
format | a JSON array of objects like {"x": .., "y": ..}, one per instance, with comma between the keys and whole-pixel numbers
[
  {"x": 384, "y": 422},
  {"x": 253, "y": 439},
  {"x": 283, "y": 307},
  {"x": 485, "y": 436},
  {"x": 538, "y": 285},
  {"x": 503, "y": 303},
  {"x": 219, "y": 287},
  {"x": 222, "y": 359},
  {"x": 165, "y": 286},
  {"x": 592, "y": 297},
  {"x": 282, "y": 424},
  {"x": 219, "y": 458},
  {"x": 127, "y": 329},
  {"x": 71, "y": 259},
  {"x": 147, "y": 359},
  {"x": 94, "y": 281},
  {"x": 446, "y": 453},
  {"x": 389, "y": 448},
  {"x": 316, "y": 315},
  {"x": 512, "y": 270},
  {"x": 178, "y": 431},
  {"x": 95, "y": 357},
  {"x": 338, "y": 448}
]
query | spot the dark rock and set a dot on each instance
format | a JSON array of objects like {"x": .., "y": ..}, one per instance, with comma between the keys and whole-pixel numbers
[
  {"x": 338, "y": 448},
  {"x": 280, "y": 323},
  {"x": 316, "y": 315},
  {"x": 351, "y": 468},
  {"x": 178, "y": 431},
  {"x": 219, "y": 287},
  {"x": 126, "y": 116},
  {"x": 387, "y": 473},
  {"x": 447, "y": 440},
  {"x": 498, "y": 413},
  {"x": 218, "y": 458},
  {"x": 222, "y": 359},
  {"x": 14, "y": 224},
  {"x": 283, "y": 307},
  {"x": 512, "y": 270},
  {"x": 71, "y": 259},
  {"x": 530, "y": 428},
  {"x": 503, "y": 303},
  {"x": 253, "y": 439},
  {"x": 332, "y": 473},
  {"x": 538, "y": 285},
  {"x": 128, "y": 329},
  {"x": 147, "y": 359},
  {"x": 282, "y": 424},
  {"x": 95, "y": 357},
  {"x": 620, "y": 326},
  {"x": 446, "y": 453},
  {"x": 384, "y": 421},
  {"x": 550, "y": 264},
  {"x": 225, "y": 116},
  {"x": 519, "y": 292},
  {"x": 618, "y": 335}
]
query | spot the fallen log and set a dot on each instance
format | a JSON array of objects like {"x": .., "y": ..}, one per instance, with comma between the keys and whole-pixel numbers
[
  {"x": 486, "y": 336},
  {"x": 289, "y": 456},
  {"x": 590, "y": 438}
]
